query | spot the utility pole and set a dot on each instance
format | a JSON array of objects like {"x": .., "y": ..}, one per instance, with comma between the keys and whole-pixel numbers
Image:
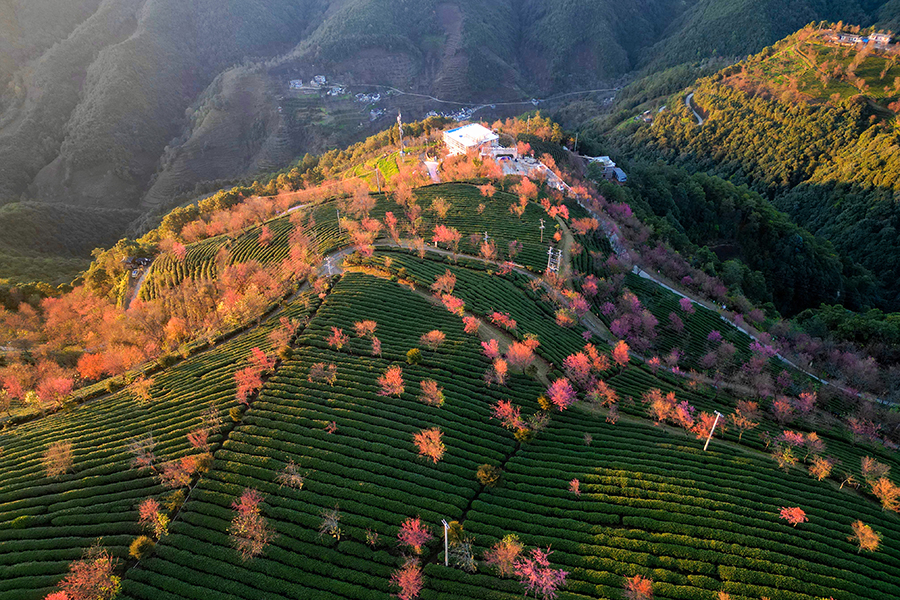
[
  {"x": 716, "y": 422},
  {"x": 328, "y": 265},
  {"x": 446, "y": 542},
  {"x": 486, "y": 237},
  {"x": 542, "y": 230},
  {"x": 400, "y": 127},
  {"x": 576, "y": 142},
  {"x": 554, "y": 259},
  {"x": 338, "y": 211},
  {"x": 377, "y": 178}
]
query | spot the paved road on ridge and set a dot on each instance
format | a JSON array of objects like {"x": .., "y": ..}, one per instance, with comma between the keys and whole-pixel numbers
[{"x": 688, "y": 101}]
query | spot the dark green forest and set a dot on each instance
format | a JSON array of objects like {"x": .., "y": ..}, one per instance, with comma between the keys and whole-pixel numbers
[
  {"x": 834, "y": 169},
  {"x": 734, "y": 233}
]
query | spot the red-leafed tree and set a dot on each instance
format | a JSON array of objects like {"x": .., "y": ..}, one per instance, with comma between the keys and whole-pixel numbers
[
  {"x": 561, "y": 393},
  {"x": 575, "y": 487},
  {"x": 455, "y": 305},
  {"x": 793, "y": 515},
  {"x": 151, "y": 517},
  {"x": 430, "y": 443},
  {"x": 578, "y": 368},
  {"x": 444, "y": 284},
  {"x": 178, "y": 473},
  {"x": 433, "y": 339},
  {"x": 199, "y": 438},
  {"x": 91, "y": 366},
  {"x": 661, "y": 407},
  {"x": 535, "y": 573},
  {"x": 409, "y": 579},
  {"x": 509, "y": 415},
  {"x": 491, "y": 348},
  {"x": 179, "y": 251},
  {"x": 415, "y": 534},
  {"x": 521, "y": 354},
  {"x": 471, "y": 324},
  {"x": 365, "y": 329},
  {"x": 248, "y": 380},
  {"x": 487, "y": 190},
  {"x": 703, "y": 426},
  {"x": 447, "y": 235},
  {"x": 638, "y": 588},
  {"x": 497, "y": 372},
  {"x": 91, "y": 578},
  {"x": 503, "y": 320},
  {"x": 745, "y": 417},
  {"x": 337, "y": 339},
  {"x": 620, "y": 354},
  {"x": 250, "y": 532},
  {"x": 503, "y": 555},
  {"x": 432, "y": 394},
  {"x": 265, "y": 236},
  {"x": 391, "y": 382},
  {"x": 392, "y": 224}
]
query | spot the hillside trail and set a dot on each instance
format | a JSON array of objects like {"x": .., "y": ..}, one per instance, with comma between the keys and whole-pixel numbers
[{"x": 137, "y": 287}]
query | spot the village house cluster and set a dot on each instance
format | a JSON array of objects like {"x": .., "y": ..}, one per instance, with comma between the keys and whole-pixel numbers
[{"x": 879, "y": 41}]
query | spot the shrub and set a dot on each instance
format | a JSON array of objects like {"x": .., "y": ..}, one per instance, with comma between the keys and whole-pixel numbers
[
  {"x": 57, "y": 459},
  {"x": 414, "y": 356},
  {"x": 489, "y": 475},
  {"x": 141, "y": 547},
  {"x": 114, "y": 384}
]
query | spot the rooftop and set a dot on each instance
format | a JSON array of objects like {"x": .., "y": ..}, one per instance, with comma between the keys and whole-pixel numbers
[{"x": 472, "y": 135}]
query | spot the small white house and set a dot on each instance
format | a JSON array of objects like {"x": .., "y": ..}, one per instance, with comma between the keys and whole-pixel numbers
[
  {"x": 296, "y": 84},
  {"x": 605, "y": 162},
  {"x": 880, "y": 39},
  {"x": 318, "y": 81},
  {"x": 468, "y": 138}
]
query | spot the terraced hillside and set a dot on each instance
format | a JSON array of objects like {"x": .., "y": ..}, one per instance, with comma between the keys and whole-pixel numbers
[
  {"x": 340, "y": 452},
  {"x": 651, "y": 501},
  {"x": 45, "y": 523}
]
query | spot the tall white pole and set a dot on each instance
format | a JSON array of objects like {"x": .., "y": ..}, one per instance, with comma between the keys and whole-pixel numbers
[
  {"x": 446, "y": 542},
  {"x": 716, "y": 422}
]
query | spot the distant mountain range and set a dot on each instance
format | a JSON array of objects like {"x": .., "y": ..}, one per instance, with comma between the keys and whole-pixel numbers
[{"x": 127, "y": 103}]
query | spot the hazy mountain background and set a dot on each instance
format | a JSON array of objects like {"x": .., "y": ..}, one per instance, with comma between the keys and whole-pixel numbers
[{"x": 126, "y": 105}]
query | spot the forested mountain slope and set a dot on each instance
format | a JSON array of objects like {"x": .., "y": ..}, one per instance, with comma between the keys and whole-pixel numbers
[{"x": 820, "y": 143}]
